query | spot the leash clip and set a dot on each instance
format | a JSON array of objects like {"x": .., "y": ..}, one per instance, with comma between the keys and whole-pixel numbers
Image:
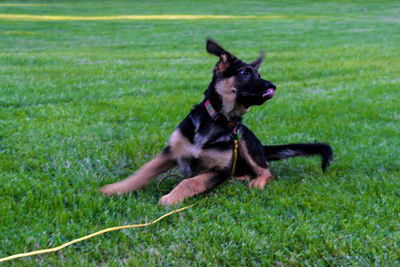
[{"x": 236, "y": 133}]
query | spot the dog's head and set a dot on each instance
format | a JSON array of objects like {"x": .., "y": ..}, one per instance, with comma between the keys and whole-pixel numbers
[{"x": 238, "y": 84}]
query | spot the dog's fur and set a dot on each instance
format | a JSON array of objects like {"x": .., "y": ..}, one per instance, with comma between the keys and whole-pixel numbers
[{"x": 203, "y": 147}]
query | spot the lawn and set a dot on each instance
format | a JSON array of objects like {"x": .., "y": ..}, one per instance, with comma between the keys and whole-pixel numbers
[{"x": 87, "y": 96}]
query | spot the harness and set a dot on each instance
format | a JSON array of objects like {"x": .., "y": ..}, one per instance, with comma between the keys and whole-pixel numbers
[{"x": 230, "y": 124}]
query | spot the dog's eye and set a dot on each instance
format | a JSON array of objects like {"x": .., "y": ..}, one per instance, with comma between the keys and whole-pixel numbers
[{"x": 243, "y": 72}]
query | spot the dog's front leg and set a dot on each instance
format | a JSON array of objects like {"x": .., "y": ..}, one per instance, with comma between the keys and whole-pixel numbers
[
  {"x": 254, "y": 158},
  {"x": 192, "y": 186},
  {"x": 161, "y": 163}
]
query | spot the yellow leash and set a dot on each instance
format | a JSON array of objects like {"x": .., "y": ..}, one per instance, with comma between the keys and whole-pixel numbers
[
  {"x": 234, "y": 157},
  {"x": 42, "y": 251}
]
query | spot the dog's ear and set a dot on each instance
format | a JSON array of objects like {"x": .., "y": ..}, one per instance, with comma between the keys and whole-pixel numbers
[
  {"x": 226, "y": 58},
  {"x": 214, "y": 48},
  {"x": 256, "y": 63}
]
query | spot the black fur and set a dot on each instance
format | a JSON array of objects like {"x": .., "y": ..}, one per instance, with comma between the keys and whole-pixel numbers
[{"x": 293, "y": 150}]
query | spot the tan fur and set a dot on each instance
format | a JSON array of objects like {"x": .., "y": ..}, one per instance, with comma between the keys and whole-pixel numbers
[
  {"x": 238, "y": 111},
  {"x": 263, "y": 174},
  {"x": 188, "y": 188},
  {"x": 210, "y": 159},
  {"x": 227, "y": 90},
  {"x": 245, "y": 154},
  {"x": 223, "y": 64},
  {"x": 243, "y": 178},
  {"x": 142, "y": 177},
  {"x": 215, "y": 159},
  {"x": 181, "y": 146},
  {"x": 260, "y": 181}
]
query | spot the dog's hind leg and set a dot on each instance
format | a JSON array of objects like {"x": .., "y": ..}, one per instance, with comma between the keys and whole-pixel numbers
[
  {"x": 263, "y": 177},
  {"x": 251, "y": 151},
  {"x": 161, "y": 163},
  {"x": 193, "y": 186}
]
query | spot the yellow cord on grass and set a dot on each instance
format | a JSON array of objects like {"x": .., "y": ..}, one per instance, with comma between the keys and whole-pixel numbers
[{"x": 42, "y": 251}]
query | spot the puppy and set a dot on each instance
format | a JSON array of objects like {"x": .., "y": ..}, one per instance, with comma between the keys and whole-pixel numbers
[{"x": 212, "y": 144}]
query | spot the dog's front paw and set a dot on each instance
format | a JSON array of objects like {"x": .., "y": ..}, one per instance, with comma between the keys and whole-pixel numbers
[
  {"x": 170, "y": 200},
  {"x": 114, "y": 189},
  {"x": 259, "y": 182}
]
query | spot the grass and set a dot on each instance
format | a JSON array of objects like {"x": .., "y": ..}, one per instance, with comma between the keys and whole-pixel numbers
[{"x": 84, "y": 103}]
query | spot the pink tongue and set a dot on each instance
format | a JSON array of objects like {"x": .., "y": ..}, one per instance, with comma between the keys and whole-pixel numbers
[{"x": 270, "y": 92}]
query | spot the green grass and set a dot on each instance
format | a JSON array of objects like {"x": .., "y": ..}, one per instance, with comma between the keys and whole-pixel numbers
[{"x": 85, "y": 103}]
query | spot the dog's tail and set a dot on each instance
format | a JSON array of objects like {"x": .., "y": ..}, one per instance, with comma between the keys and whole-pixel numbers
[{"x": 294, "y": 150}]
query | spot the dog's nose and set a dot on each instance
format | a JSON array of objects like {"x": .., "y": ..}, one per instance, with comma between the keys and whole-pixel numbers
[{"x": 269, "y": 84}]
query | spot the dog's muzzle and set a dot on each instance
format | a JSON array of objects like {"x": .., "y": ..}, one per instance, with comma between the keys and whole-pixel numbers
[{"x": 258, "y": 98}]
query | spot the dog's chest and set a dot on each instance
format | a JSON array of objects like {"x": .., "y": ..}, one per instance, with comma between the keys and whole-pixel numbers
[{"x": 205, "y": 152}]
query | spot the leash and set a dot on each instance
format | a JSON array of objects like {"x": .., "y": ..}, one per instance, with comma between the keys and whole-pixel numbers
[
  {"x": 235, "y": 150},
  {"x": 165, "y": 178},
  {"x": 42, "y": 251}
]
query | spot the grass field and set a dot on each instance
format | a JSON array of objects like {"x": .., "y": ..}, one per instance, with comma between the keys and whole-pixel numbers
[{"x": 87, "y": 96}]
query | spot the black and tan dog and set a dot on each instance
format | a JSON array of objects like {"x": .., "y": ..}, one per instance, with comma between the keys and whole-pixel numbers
[{"x": 206, "y": 142}]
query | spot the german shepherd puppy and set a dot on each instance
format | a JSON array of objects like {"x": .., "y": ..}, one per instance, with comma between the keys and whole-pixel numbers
[{"x": 212, "y": 144}]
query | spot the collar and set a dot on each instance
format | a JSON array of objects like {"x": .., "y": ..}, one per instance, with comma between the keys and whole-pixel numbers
[{"x": 221, "y": 119}]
